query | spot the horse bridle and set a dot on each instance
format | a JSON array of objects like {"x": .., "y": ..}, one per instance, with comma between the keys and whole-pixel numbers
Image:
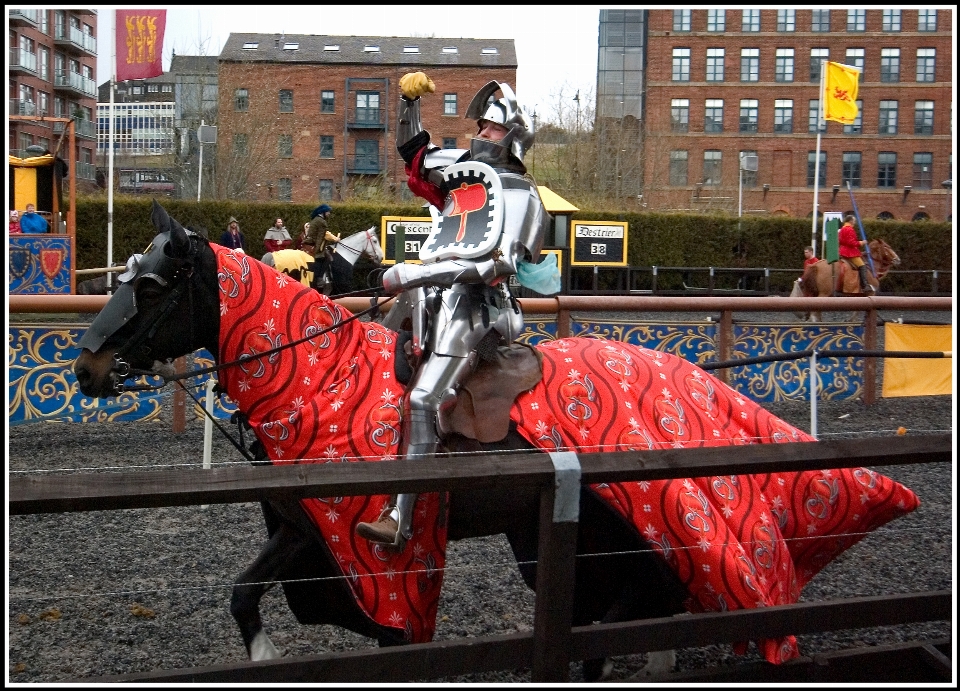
[{"x": 368, "y": 244}]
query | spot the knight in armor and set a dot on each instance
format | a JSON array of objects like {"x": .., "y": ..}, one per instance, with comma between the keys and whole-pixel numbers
[{"x": 460, "y": 305}]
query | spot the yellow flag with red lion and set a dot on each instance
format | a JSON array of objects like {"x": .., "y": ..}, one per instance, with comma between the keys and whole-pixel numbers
[{"x": 840, "y": 93}]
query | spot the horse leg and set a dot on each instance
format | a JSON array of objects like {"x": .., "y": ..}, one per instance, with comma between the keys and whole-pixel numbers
[{"x": 254, "y": 582}]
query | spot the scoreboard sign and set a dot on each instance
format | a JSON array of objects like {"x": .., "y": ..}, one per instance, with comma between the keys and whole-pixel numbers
[
  {"x": 598, "y": 243},
  {"x": 415, "y": 232}
]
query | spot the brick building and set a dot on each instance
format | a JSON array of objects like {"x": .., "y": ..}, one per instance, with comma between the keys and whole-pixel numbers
[
  {"x": 305, "y": 118},
  {"x": 721, "y": 83},
  {"x": 52, "y": 72}
]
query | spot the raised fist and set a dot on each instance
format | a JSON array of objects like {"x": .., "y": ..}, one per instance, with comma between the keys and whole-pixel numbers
[{"x": 416, "y": 84}]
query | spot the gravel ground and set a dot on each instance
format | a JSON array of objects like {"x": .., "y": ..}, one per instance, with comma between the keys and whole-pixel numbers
[{"x": 102, "y": 593}]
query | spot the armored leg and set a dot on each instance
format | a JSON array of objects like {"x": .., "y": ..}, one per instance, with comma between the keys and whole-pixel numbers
[{"x": 432, "y": 391}]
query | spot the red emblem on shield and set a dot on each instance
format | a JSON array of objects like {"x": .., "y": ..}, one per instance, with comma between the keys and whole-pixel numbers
[{"x": 51, "y": 261}]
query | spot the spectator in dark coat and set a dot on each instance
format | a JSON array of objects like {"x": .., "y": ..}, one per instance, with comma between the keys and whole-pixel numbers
[{"x": 232, "y": 237}]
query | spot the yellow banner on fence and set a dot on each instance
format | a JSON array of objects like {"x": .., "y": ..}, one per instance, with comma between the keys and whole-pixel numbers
[{"x": 917, "y": 377}]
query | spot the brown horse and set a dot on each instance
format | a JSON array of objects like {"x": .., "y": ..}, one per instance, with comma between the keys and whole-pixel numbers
[{"x": 839, "y": 279}]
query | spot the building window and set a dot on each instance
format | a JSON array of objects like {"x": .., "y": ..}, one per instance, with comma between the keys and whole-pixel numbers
[
  {"x": 857, "y": 126},
  {"x": 326, "y": 146},
  {"x": 716, "y": 20},
  {"x": 748, "y": 177},
  {"x": 888, "y": 117},
  {"x": 449, "y": 104},
  {"x": 326, "y": 190},
  {"x": 681, "y": 20},
  {"x": 891, "y": 20},
  {"x": 449, "y": 142},
  {"x": 926, "y": 20},
  {"x": 820, "y": 22},
  {"x": 855, "y": 59},
  {"x": 713, "y": 115},
  {"x": 241, "y": 100},
  {"x": 889, "y": 64},
  {"x": 749, "y": 114},
  {"x": 284, "y": 190},
  {"x": 712, "y": 160},
  {"x": 923, "y": 171},
  {"x": 166, "y": 88},
  {"x": 367, "y": 155},
  {"x": 285, "y": 146},
  {"x": 750, "y": 21},
  {"x": 681, "y": 64},
  {"x": 749, "y": 64},
  {"x": 851, "y": 168},
  {"x": 817, "y": 56},
  {"x": 923, "y": 117},
  {"x": 326, "y": 101},
  {"x": 44, "y": 61},
  {"x": 786, "y": 20},
  {"x": 678, "y": 168},
  {"x": 286, "y": 101},
  {"x": 784, "y": 66},
  {"x": 856, "y": 20},
  {"x": 240, "y": 145},
  {"x": 368, "y": 106},
  {"x": 679, "y": 115},
  {"x": 783, "y": 116},
  {"x": 715, "y": 64},
  {"x": 153, "y": 88},
  {"x": 926, "y": 64},
  {"x": 811, "y": 168},
  {"x": 886, "y": 169},
  {"x": 137, "y": 91}
]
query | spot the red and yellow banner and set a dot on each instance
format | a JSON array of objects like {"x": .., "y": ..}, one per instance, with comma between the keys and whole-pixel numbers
[
  {"x": 840, "y": 93},
  {"x": 140, "y": 43}
]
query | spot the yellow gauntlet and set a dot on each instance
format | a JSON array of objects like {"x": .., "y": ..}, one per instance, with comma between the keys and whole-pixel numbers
[{"x": 416, "y": 84}]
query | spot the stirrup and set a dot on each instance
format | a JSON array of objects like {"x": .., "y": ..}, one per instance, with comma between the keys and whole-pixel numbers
[{"x": 374, "y": 532}]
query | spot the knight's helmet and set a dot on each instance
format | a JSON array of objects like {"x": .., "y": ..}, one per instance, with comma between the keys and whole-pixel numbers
[{"x": 504, "y": 111}]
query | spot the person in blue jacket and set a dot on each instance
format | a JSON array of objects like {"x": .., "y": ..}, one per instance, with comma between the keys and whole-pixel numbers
[{"x": 32, "y": 222}]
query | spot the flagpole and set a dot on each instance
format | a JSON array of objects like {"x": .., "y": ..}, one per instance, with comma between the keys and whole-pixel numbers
[
  {"x": 816, "y": 161},
  {"x": 113, "y": 79}
]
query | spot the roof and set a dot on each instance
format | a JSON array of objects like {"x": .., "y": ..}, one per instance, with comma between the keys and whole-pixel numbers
[
  {"x": 554, "y": 203},
  {"x": 393, "y": 50},
  {"x": 193, "y": 63}
]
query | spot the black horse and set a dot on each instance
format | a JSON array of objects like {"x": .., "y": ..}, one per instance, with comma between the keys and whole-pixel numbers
[
  {"x": 168, "y": 304},
  {"x": 627, "y": 582}
]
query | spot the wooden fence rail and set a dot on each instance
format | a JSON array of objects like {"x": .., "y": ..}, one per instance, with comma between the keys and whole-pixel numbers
[{"x": 553, "y": 643}]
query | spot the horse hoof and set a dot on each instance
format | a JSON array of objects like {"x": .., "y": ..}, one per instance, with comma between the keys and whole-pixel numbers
[
  {"x": 262, "y": 648},
  {"x": 597, "y": 670}
]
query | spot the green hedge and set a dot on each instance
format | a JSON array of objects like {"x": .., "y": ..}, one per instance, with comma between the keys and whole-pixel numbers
[
  {"x": 655, "y": 238},
  {"x": 133, "y": 231}
]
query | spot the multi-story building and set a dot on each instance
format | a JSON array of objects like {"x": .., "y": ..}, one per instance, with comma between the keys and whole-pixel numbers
[
  {"x": 52, "y": 72},
  {"x": 143, "y": 134},
  {"x": 718, "y": 85},
  {"x": 304, "y": 118}
]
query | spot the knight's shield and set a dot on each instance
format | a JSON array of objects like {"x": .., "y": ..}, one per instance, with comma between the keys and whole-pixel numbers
[
  {"x": 51, "y": 261},
  {"x": 471, "y": 222},
  {"x": 19, "y": 262}
]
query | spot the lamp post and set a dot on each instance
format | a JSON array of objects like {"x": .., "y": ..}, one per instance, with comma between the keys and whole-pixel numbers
[
  {"x": 948, "y": 186},
  {"x": 576, "y": 155}
]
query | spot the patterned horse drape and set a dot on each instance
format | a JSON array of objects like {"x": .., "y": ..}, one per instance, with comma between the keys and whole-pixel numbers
[{"x": 736, "y": 541}]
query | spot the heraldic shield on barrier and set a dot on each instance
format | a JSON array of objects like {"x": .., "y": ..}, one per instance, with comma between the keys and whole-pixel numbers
[{"x": 471, "y": 223}]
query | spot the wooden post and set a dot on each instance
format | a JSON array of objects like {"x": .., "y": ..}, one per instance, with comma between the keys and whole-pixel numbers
[
  {"x": 725, "y": 342},
  {"x": 556, "y": 570},
  {"x": 870, "y": 363},
  {"x": 179, "y": 399}
]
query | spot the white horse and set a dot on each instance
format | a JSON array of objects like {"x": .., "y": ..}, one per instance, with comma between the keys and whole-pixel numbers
[{"x": 300, "y": 264}]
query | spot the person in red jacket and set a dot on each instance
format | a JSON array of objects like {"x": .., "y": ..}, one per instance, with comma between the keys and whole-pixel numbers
[{"x": 851, "y": 250}]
